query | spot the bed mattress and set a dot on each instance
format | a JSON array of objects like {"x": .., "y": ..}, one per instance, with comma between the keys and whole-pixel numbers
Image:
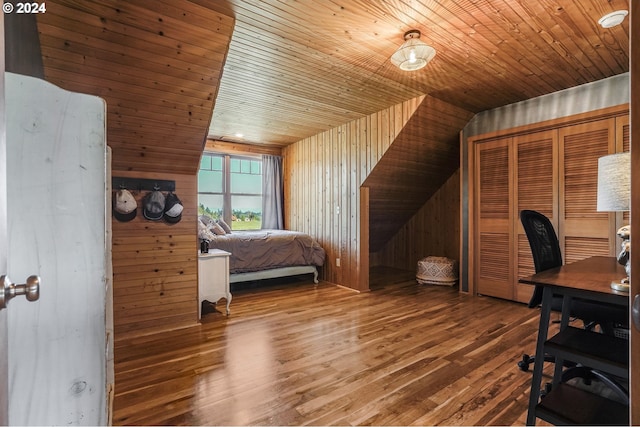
[{"x": 266, "y": 249}]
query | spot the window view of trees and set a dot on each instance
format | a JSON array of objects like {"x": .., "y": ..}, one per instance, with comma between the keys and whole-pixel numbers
[{"x": 230, "y": 187}]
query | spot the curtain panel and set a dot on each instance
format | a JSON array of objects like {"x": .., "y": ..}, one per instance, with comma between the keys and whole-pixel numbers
[{"x": 272, "y": 193}]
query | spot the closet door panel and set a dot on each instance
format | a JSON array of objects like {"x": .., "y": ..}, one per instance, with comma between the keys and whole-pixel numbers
[
  {"x": 584, "y": 231},
  {"x": 536, "y": 189},
  {"x": 494, "y": 249}
]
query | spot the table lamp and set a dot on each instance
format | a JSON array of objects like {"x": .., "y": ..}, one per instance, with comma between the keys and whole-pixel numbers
[{"x": 614, "y": 195}]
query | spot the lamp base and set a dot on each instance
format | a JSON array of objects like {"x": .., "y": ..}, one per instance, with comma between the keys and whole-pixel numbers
[{"x": 622, "y": 285}]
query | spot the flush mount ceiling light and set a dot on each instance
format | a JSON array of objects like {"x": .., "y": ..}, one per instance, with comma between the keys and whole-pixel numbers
[
  {"x": 414, "y": 53},
  {"x": 612, "y": 19}
]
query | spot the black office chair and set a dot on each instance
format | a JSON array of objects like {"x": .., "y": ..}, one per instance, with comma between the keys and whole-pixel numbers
[{"x": 545, "y": 249}]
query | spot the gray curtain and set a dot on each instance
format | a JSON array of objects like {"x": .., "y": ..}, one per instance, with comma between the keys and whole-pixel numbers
[{"x": 272, "y": 193}]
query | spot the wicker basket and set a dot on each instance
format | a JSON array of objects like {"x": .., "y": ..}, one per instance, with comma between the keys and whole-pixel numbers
[{"x": 437, "y": 271}]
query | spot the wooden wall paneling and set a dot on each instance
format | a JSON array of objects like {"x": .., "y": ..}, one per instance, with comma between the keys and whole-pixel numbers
[
  {"x": 345, "y": 163},
  {"x": 493, "y": 235},
  {"x": 315, "y": 196},
  {"x": 342, "y": 158},
  {"x": 536, "y": 188},
  {"x": 339, "y": 163},
  {"x": 363, "y": 262},
  {"x": 383, "y": 131},
  {"x": 157, "y": 65},
  {"x": 372, "y": 124},
  {"x": 155, "y": 266},
  {"x": 584, "y": 231},
  {"x": 287, "y": 192},
  {"x": 423, "y": 156},
  {"x": 367, "y": 132},
  {"x": 431, "y": 231},
  {"x": 345, "y": 157},
  {"x": 323, "y": 194},
  {"x": 354, "y": 207}
]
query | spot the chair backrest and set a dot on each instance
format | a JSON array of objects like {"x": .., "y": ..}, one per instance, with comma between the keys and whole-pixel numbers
[{"x": 545, "y": 247}]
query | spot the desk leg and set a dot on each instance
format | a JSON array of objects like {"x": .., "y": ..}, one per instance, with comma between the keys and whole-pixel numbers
[
  {"x": 543, "y": 329},
  {"x": 564, "y": 322}
]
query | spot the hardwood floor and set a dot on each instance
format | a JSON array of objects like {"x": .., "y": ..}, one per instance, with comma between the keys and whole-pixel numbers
[{"x": 299, "y": 354}]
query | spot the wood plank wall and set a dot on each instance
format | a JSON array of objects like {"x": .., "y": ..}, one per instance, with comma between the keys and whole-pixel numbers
[
  {"x": 423, "y": 156},
  {"x": 323, "y": 174},
  {"x": 157, "y": 64},
  {"x": 432, "y": 231},
  {"x": 155, "y": 270}
]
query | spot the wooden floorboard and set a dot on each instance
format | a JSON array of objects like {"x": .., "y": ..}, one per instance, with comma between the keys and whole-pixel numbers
[{"x": 295, "y": 353}]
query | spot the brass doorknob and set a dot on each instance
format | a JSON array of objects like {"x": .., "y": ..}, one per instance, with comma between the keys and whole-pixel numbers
[{"x": 8, "y": 290}]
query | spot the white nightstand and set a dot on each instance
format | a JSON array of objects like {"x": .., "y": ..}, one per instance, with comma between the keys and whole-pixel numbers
[{"x": 213, "y": 278}]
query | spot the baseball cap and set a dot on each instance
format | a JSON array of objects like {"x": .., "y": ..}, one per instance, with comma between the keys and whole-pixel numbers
[
  {"x": 125, "y": 207},
  {"x": 172, "y": 208},
  {"x": 153, "y": 205}
]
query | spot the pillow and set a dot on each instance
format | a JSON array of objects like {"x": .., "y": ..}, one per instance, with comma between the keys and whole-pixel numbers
[
  {"x": 224, "y": 226},
  {"x": 216, "y": 229},
  {"x": 206, "y": 220},
  {"x": 204, "y": 233}
]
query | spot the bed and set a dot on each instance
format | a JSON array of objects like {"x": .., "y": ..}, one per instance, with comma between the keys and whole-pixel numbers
[{"x": 265, "y": 254}]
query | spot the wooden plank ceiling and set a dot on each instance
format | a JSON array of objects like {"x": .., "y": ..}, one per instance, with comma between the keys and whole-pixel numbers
[
  {"x": 157, "y": 63},
  {"x": 294, "y": 69}
]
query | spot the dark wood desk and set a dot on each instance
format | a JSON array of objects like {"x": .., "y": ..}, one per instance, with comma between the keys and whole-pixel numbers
[{"x": 589, "y": 279}]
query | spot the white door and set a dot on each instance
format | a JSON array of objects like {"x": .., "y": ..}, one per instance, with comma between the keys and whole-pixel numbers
[
  {"x": 4, "y": 391},
  {"x": 56, "y": 228}
]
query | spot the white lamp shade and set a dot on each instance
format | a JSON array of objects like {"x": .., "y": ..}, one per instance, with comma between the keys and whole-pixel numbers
[
  {"x": 614, "y": 182},
  {"x": 413, "y": 55}
]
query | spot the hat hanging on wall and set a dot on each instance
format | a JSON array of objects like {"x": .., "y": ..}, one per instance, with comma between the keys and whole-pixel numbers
[
  {"x": 173, "y": 209},
  {"x": 153, "y": 205},
  {"x": 125, "y": 207}
]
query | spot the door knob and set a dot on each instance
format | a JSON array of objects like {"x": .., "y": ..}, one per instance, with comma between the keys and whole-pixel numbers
[{"x": 31, "y": 290}]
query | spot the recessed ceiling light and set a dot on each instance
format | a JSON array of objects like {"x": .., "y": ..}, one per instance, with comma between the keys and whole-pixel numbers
[
  {"x": 612, "y": 19},
  {"x": 239, "y": 135}
]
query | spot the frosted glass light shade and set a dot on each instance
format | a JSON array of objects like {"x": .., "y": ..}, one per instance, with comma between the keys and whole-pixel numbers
[
  {"x": 612, "y": 19},
  {"x": 413, "y": 54},
  {"x": 614, "y": 182}
]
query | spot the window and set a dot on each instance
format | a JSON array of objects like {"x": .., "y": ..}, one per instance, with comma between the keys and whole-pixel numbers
[{"x": 230, "y": 187}]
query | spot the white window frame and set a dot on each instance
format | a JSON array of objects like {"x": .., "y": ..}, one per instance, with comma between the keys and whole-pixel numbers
[{"x": 227, "y": 209}]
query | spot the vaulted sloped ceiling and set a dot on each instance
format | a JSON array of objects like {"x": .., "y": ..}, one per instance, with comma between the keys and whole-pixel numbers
[
  {"x": 422, "y": 157},
  {"x": 298, "y": 68},
  {"x": 158, "y": 65},
  {"x": 280, "y": 71}
]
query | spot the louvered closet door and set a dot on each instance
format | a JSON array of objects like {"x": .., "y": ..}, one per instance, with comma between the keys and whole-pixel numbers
[
  {"x": 493, "y": 250},
  {"x": 536, "y": 189},
  {"x": 584, "y": 232}
]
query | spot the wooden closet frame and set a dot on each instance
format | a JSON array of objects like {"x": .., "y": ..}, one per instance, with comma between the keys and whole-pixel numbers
[{"x": 618, "y": 111}]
